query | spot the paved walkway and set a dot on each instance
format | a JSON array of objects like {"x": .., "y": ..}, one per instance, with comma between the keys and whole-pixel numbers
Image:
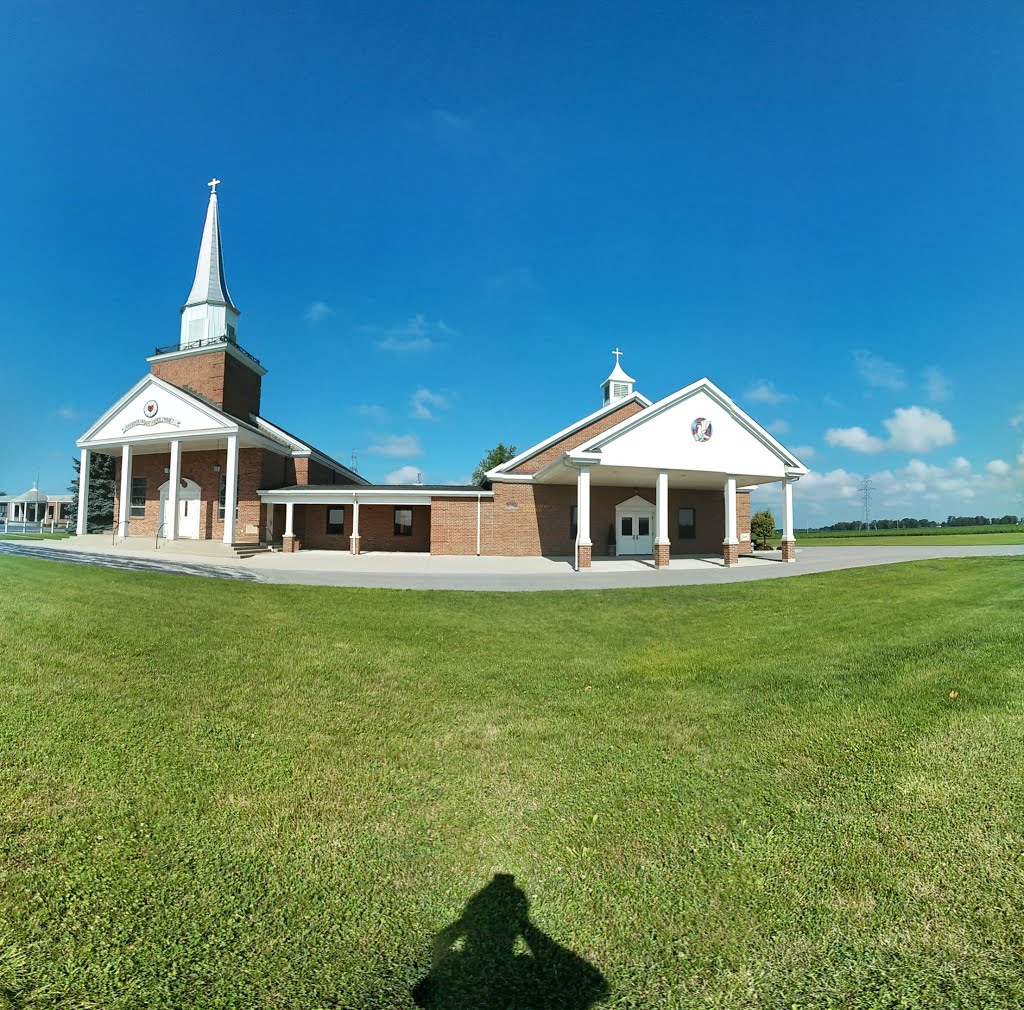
[{"x": 424, "y": 571}]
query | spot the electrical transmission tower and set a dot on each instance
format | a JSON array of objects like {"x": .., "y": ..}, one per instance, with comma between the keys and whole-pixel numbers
[{"x": 867, "y": 491}]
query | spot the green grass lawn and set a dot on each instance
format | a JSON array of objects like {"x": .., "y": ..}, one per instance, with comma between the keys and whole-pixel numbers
[
  {"x": 758, "y": 795},
  {"x": 56, "y": 535}
]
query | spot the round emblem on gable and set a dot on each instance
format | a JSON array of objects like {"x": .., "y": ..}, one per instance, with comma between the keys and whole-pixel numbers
[
  {"x": 701, "y": 429},
  {"x": 151, "y": 408}
]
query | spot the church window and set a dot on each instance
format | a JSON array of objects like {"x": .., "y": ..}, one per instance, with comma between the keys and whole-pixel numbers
[
  {"x": 687, "y": 524},
  {"x": 223, "y": 497},
  {"x": 335, "y": 520},
  {"x": 403, "y": 522},
  {"x": 138, "y": 497}
]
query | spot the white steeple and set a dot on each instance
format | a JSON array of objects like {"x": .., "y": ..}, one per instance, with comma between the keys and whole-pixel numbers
[
  {"x": 209, "y": 313},
  {"x": 618, "y": 385}
]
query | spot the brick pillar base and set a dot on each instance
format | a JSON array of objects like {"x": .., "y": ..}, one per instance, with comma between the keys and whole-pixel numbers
[
  {"x": 661, "y": 553},
  {"x": 583, "y": 553},
  {"x": 289, "y": 544},
  {"x": 730, "y": 554},
  {"x": 354, "y": 544},
  {"x": 789, "y": 550}
]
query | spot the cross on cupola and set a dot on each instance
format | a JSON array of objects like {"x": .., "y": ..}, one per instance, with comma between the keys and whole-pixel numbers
[{"x": 618, "y": 385}]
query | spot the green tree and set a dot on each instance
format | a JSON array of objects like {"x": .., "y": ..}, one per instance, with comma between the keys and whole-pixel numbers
[
  {"x": 762, "y": 526},
  {"x": 501, "y": 453},
  {"x": 101, "y": 492}
]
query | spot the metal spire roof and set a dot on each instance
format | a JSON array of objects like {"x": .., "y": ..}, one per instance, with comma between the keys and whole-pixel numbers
[{"x": 209, "y": 285}]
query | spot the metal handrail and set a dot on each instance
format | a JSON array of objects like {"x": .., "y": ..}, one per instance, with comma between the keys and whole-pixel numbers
[
  {"x": 156, "y": 543},
  {"x": 209, "y": 342}
]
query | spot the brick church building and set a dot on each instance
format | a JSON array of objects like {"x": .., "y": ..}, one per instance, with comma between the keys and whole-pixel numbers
[{"x": 196, "y": 459}]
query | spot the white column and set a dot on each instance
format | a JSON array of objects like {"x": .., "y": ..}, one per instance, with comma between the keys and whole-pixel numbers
[
  {"x": 173, "y": 486},
  {"x": 353, "y": 542},
  {"x": 289, "y": 519},
  {"x": 83, "y": 493},
  {"x": 730, "y": 511},
  {"x": 231, "y": 490},
  {"x": 582, "y": 510},
  {"x": 125, "y": 508},
  {"x": 787, "y": 510},
  {"x": 661, "y": 509}
]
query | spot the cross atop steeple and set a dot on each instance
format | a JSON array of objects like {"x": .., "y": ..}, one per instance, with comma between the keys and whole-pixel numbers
[
  {"x": 618, "y": 354},
  {"x": 213, "y": 184}
]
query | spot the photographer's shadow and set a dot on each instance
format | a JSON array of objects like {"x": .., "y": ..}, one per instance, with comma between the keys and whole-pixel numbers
[{"x": 494, "y": 958}]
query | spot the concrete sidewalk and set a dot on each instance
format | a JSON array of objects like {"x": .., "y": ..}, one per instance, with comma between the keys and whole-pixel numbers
[{"x": 425, "y": 571}]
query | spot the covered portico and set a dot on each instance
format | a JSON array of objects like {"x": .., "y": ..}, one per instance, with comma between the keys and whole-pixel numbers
[
  {"x": 695, "y": 445},
  {"x": 180, "y": 463},
  {"x": 388, "y": 518}
]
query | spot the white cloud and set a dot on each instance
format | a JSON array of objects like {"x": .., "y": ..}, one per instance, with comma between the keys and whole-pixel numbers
[
  {"x": 404, "y": 475},
  {"x": 936, "y": 385},
  {"x": 917, "y": 429},
  {"x": 855, "y": 438},
  {"x": 371, "y": 410},
  {"x": 424, "y": 402},
  {"x": 451, "y": 120},
  {"x": 397, "y": 445},
  {"x": 778, "y": 426},
  {"x": 67, "y": 412},
  {"x": 318, "y": 311},
  {"x": 765, "y": 392},
  {"x": 911, "y": 429},
  {"x": 878, "y": 372},
  {"x": 418, "y": 334},
  {"x": 514, "y": 279},
  {"x": 804, "y": 452},
  {"x": 998, "y": 467}
]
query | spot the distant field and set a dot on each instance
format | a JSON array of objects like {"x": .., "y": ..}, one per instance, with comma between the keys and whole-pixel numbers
[
  {"x": 938, "y": 536},
  {"x": 802, "y": 793}
]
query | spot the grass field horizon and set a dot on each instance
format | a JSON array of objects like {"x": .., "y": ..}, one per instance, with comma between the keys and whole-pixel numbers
[
  {"x": 797, "y": 793},
  {"x": 932, "y": 536}
]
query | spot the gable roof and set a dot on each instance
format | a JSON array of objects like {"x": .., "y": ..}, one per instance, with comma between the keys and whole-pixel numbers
[
  {"x": 505, "y": 469},
  {"x": 706, "y": 386}
]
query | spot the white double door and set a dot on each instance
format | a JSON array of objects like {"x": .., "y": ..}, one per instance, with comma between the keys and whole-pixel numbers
[
  {"x": 188, "y": 511},
  {"x": 634, "y": 532}
]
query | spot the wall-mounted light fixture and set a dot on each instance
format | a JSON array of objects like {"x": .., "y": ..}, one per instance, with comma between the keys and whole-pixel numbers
[
  {"x": 167, "y": 469},
  {"x": 216, "y": 467}
]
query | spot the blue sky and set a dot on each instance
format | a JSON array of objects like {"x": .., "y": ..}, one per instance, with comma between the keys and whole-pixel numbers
[{"x": 439, "y": 219}]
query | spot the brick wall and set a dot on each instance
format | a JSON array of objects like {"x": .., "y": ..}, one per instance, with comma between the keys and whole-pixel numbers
[
  {"x": 743, "y": 521},
  {"x": 217, "y": 375},
  {"x": 453, "y": 525},
  {"x": 577, "y": 438},
  {"x": 376, "y": 529}
]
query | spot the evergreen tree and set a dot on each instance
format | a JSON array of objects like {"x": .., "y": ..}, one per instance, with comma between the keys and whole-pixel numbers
[
  {"x": 101, "y": 493},
  {"x": 501, "y": 453}
]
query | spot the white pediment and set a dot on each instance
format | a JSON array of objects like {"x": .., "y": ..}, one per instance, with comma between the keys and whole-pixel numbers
[
  {"x": 697, "y": 429},
  {"x": 635, "y": 504},
  {"x": 156, "y": 410}
]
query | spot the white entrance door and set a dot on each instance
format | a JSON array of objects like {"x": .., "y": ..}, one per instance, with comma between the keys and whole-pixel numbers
[
  {"x": 188, "y": 510},
  {"x": 635, "y": 533}
]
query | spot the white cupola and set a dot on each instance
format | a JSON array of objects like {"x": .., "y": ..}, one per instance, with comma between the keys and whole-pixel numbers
[
  {"x": 209, "y": 314},
  {"x": 618, "y": 385}
]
